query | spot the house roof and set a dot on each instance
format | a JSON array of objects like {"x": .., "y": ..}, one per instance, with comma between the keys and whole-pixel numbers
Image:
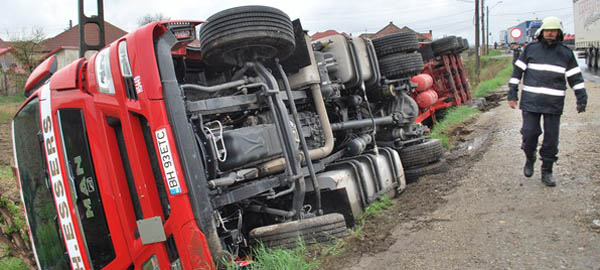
[
  {"x": 319, "y": 35},
  {"x": 4, "y": 50},
  {"x": 70, "y": 38},
  {"x": 391, "y": 28}
]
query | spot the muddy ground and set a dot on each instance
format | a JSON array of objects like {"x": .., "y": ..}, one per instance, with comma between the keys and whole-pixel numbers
[
  {"x": 482, "y": 213},
  {"x": 8, "y": 186}
]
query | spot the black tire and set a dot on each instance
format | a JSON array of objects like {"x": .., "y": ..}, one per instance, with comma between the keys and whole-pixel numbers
[
  {"x": 396, "y": 43},
  {"x": 465, "y": 44},
  {"x": 246, "y": 33},
  {"x": 401, "y": 65},
  {"x": 426, "y": 52},
  {"x": 418, "y": 155},
  {"x": 444, "y": 45},
  {"x": 461, "y": 45},
  {"x": 325, "y": 228},
  {"x": 596, "y": 58},
  {"x": 412, "y": 175}
]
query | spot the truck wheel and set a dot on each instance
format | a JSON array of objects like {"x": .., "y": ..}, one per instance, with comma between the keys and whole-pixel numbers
[
  {"x": 413, "y": 174},
  {"x": 319, "y": 229},
  {"x": 596, "y": 58},
  {"x": 461, "y": 45},
  {"x": 465, "y": 44},
  {"x": 421, "y": 154},
  {"x": 396, "y": 43},
  {"x": 444, "y": 45},
  {"x": 426, "y": 52},
  {"x": 246, "y": 33},
  {"x": 401, "y": 65}
]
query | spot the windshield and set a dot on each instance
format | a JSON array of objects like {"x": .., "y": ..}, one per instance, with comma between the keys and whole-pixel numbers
[
  {"x": 35, "y": 186},
  {"x": 83, "y": 180}
]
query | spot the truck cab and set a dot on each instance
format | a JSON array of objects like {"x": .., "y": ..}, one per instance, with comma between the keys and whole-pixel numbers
[{"x": 97, "y": 161}]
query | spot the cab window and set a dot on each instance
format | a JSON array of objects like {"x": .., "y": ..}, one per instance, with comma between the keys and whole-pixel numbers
[
  {"x": 36, "y": 188},
  {"x": 84, "y": 184}
]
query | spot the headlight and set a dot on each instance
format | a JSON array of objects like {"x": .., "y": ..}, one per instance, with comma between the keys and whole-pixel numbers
[
  {"x": 103, "y": 73},
  {"x": 124, "y": 60}
]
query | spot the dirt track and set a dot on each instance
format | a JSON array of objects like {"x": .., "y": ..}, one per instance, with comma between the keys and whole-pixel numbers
[{"x": 486, "y": 214}]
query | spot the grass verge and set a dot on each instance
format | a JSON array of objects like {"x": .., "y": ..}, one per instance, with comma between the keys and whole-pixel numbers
[
  {"x": 283, "y": 259},
  {"x": 453, "y": 117},
  {"x": 501, "y": 78},
  {"x": 492, "y": 53},
  {"x": 302, "y": 257},
  {"x": 280, "y": 259},
  {"x": 12, "y": 263},
  {"x": 9, "y": 105},
  {"x": 489, "y": 67},
  {"x": 12, "y": 99},
  {"x": 383, "y": 203},
  {"x": 6, "y": 172}
]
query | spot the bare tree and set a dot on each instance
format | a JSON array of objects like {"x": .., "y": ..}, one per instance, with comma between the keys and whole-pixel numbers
[
  {"x": 27, "y": 48},
  {"x": 148, "y": 18}
]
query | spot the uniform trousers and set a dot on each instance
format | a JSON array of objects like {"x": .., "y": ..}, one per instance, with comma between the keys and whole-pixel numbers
[{"x": 531, "y": 131}]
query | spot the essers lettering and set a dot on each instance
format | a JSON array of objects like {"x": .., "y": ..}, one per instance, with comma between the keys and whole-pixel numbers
[
  {"x": 56, "y": 180},
  {"x": 47, "y": 124}
]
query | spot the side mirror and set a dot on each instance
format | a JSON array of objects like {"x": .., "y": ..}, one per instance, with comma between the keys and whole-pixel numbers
[{"x": 40, "y": 74}]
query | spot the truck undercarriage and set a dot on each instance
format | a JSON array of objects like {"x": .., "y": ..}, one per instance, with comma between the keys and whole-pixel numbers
[{"x": 282, "y": 124}]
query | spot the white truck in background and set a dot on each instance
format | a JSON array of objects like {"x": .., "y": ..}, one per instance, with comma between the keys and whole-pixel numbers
[{"x": 586, "y": 14}]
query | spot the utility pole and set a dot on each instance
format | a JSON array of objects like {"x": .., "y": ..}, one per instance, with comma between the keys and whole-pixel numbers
[
  {"x": 477, "y": 38},
  {"x": 487, "y": 31},
  {"x": 483, "y": 48}
]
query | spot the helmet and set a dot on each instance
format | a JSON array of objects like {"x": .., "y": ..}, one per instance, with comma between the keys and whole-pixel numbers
[{"x": 550, "y": 23}]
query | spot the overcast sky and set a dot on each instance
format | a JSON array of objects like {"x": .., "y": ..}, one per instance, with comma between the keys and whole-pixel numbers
[{"x": 443, "y": 17}]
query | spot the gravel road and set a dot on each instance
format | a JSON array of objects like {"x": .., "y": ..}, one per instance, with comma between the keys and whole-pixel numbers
[{"x": 496, "y": 218}]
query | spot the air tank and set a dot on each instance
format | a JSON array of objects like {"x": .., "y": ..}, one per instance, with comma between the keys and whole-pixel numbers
[{"x": 423, "y": 81}]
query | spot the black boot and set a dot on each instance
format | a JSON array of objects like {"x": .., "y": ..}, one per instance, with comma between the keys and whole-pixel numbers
[
  {"x": 528, "y": 169},
  {"x": 547, "y": 178}
]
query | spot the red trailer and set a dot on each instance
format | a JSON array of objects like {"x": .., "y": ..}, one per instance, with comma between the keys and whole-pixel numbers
[{"x": 444, "y": 67}]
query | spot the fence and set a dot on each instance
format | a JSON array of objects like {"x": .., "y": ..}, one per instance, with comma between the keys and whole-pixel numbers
[{"x": 11, "y": 83}]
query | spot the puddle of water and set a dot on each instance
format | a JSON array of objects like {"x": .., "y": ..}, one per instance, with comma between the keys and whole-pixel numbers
[
  {"x": 588, "y": 73},
  {"x": 579, "y": 124}
]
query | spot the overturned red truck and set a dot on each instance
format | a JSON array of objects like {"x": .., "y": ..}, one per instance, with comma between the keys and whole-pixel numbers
[{"x": 155, "y": 154}]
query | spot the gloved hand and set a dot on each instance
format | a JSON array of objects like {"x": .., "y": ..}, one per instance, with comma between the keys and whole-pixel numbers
[{"x": 581, "y": 107}]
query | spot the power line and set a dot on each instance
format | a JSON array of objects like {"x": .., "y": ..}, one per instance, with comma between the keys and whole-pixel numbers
[
  {"x": 420, "y": 22},
  {"x": 448, "y": 25},
  {"x": 436, "y": 18},
  {"x": 533, "y": 11}
]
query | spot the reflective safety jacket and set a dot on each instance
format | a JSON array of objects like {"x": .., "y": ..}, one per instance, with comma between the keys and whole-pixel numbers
[{"x": 546, "y": 67}]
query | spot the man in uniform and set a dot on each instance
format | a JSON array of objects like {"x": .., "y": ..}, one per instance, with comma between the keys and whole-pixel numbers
[
  {"x": 516, "y": 48},
  {"x": 544, "y": 65}
]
